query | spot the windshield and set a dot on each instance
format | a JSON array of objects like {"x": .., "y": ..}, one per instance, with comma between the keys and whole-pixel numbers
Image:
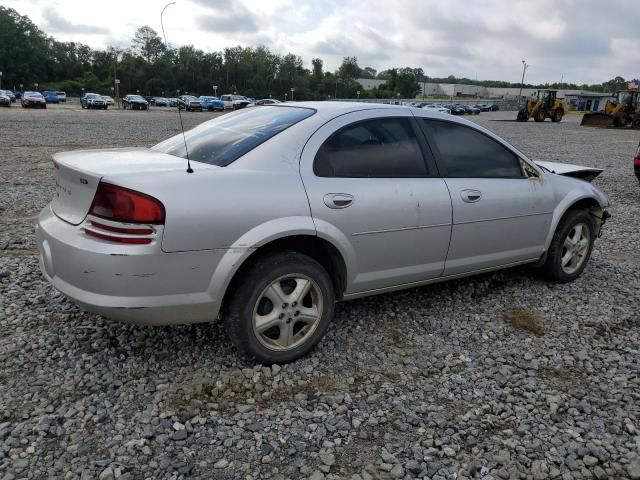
[
  {"x": 223, "y": 140},
  {"x": 624, "y": 97},
  {"x": 135, "y": 97},
  {"x": 32, "y": 94}
]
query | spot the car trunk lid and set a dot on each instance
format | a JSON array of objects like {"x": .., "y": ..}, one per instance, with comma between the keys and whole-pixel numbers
[{"x": 78, "y": 174}]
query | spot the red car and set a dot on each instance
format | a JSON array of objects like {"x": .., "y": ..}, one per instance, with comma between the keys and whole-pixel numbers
[
  {"x": 33, "y": 100},
  {"x": 636, "y": 162}
]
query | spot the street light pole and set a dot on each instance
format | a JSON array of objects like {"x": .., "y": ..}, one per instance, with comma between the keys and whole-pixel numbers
[
  {"x": 292, "y": 90},
  {"x": 162, "y": 24},
  {"x": 524, "y": 69},
  {"x": 215, "y": 90}
]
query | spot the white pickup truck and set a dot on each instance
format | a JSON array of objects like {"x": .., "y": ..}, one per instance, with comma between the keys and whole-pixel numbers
[{"x": 234, "y": 102}]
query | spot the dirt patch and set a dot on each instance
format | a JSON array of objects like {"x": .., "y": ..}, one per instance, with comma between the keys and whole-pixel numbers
[{"x": 523, "y": 319}]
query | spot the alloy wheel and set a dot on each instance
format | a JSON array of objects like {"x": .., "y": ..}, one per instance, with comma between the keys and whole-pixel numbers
[
  {"x": 287, "y": 312},
  {"x": 575, "y": 248}
]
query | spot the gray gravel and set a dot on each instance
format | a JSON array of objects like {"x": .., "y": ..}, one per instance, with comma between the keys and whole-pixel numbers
[{"x": 426, "y": 383}]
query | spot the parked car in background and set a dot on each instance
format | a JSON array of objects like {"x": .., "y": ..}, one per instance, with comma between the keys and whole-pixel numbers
[
  {"x": 437, "y": 108},
  {"x": 62, "y": 96},
  {"x": 212, "y": 104},
  {"x": 334, "y": 213},
  {"x": 17, "y": 95},
  {"x": 636, "y": 163},
  {"x": 468, "y": 109},
  {"x": 134, "y": 102},
  {"x": 173, "y": 102},
  {"x": 190, "y": 103},
  {"x": 51, "y": 97},
  {"x": 12, "y": 96},
  {"x": 234, "y": 102},
  {"x": 484, "y": 107},
  {"x": 250, "y": 101},
  {"x": 161, "y": 102},
  {"x": 267, "y": 101},
  {"x": 93, "y": 101},
  {"x": 495, "y": 108},
  {"x": 455, "y": 109},
  {"x": 107, "y": 98},
  {"x": 33, "y": 100},
  {"x": 5, "y": 99}
]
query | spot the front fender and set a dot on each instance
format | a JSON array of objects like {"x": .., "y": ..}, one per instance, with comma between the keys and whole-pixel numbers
[{"x": 580, "y": 191}]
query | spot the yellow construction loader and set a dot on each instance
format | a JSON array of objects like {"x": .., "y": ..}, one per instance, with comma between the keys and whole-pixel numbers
[
  {"x": 544, "y": 106},
  {"x": 621, "y": 112}
]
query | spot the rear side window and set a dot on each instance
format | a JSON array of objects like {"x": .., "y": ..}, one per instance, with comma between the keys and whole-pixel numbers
[
  {"x": 223, "y": 140},
  {"x": 467, "y": 153},
  {"x": 380, "y": 148}
]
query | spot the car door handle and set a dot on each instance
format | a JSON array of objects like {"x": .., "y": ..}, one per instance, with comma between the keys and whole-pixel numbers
[
  {"x": 471, "y": 196},
  {"x": 338, "y": 200}
]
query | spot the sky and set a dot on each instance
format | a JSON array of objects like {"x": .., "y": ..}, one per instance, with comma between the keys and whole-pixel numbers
[{"x": 577, "y": 41}]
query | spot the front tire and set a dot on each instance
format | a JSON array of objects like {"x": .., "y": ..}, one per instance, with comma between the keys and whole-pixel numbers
[
  {"x": 557, "y": 116},
  {"x": 280, "y": 308},
  {"x": 570, "y": 247}
]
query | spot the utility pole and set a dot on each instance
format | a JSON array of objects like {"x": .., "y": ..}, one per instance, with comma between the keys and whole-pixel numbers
[{"x": 524, "y": 69}]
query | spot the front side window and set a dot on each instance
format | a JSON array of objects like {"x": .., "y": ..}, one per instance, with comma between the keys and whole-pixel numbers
[
  {"x": 468, "y": 153},
  {"x": 380, "y": 148},
  {"x": 223, "y": 140}
]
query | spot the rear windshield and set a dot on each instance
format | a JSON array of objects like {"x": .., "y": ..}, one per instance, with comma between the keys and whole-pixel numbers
[{"x": 223, "y": 140}]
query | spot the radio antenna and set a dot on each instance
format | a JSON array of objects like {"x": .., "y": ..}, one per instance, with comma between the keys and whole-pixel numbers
[{"x": 184, "y": 137}]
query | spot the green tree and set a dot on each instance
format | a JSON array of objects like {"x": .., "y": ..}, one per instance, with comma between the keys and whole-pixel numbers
[{"x": 147, "y": 43}]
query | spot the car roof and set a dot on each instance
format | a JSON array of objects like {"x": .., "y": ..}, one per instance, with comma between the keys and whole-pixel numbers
[{"x": 340, "y": 108}]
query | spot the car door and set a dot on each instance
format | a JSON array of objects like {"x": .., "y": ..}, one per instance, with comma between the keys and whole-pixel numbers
[
  {"x": 370, "y": 189},
  {"x": 502, "y": 208}
]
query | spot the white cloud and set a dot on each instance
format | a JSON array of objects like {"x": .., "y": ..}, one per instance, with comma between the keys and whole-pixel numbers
[{"x": 583, "y": 41}]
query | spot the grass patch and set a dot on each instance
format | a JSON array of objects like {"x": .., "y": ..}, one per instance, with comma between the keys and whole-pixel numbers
[{"x": 523, "y": 319}]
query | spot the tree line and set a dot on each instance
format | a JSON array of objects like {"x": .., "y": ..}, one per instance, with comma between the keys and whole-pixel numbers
[{"x": 29, "y": 56}]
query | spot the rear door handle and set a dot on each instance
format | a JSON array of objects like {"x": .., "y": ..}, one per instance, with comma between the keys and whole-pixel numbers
[
  {"x": 471, "y": 196},
  {"x": 338, "y": 200}
]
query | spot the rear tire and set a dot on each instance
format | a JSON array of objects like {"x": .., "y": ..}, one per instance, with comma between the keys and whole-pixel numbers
[
  {"x": 288, "y": 327},
  {"x": 570, "y": 247}
]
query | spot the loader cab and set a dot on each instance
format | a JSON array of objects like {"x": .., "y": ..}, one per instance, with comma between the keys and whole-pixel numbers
[
  {"x": 630, "y": 99},
  {"x": 548, "y": 97}
]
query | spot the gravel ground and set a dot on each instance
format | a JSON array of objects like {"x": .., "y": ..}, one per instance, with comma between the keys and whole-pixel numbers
[{"x": 498, "y": 376}]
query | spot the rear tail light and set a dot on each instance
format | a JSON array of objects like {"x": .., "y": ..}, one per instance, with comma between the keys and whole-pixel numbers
[
  {"x": 125, "y": 206},
  {"x": 120, "y": 204},
  {"x": 636, "y": 160}
]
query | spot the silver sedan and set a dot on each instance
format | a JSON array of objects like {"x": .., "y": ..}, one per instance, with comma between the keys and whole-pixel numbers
[{"x": 265, "y": 217}]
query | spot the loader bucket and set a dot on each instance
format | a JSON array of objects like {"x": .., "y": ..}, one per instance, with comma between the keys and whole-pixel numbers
[{"x": 596, "y": 119}]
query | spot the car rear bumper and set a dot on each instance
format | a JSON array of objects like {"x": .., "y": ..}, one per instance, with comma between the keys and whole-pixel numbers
[{"x": 144, "y": 285}]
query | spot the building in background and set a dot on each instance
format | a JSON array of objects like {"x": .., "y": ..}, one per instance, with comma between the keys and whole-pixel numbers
[{"x": 576, "y": 99}]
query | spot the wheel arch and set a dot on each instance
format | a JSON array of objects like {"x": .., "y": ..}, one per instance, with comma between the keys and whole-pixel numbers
[
  {"x": 321, "y": 250},
  {"x": 575, "y": 202}
]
